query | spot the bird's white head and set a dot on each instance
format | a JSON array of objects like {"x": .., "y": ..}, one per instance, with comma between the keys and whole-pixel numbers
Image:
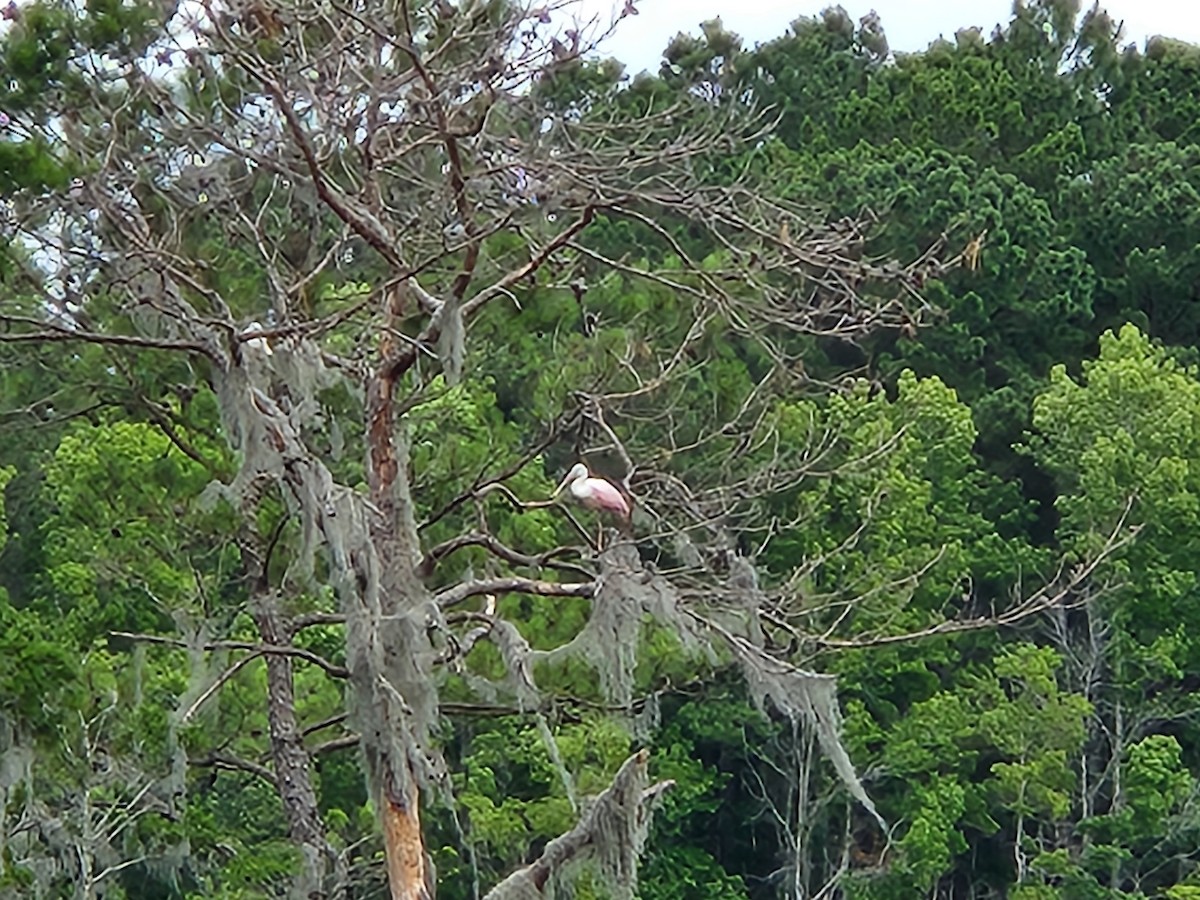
[{"x": 579, "y": 470}]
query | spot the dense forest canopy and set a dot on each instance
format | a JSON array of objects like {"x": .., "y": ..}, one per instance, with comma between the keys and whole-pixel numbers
[{"x": 307, "y": 307}]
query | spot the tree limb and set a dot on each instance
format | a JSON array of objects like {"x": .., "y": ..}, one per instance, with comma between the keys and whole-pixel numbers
[
  {"x": 95, "y": 337},
  {"x": 265, "y": 649},
  {"x": 514, "y": 584},
  {"x": 498, "y": 549},
  {"x": 234, "y": 764}
]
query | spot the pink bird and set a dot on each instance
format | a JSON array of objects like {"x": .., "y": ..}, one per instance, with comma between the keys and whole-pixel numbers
[{"x": 594, "y": 493}]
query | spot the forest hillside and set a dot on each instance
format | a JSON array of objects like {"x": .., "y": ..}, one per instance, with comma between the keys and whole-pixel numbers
[{"x": 878, "y": 581}]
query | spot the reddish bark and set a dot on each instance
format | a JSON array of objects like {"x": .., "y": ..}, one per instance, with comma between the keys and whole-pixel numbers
[
  {"x": 408, "y": 871},
  {"x": 409, "y": 875}
]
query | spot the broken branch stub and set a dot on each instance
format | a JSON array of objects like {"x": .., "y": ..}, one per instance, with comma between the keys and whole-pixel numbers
[{"x": 609, "y": 836}]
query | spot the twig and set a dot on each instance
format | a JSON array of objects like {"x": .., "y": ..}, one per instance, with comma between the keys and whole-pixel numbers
[
  {"x": 218, "y": 683},
  {"x": 234, "y": 764},
  {"x": 266, "y": 649}
]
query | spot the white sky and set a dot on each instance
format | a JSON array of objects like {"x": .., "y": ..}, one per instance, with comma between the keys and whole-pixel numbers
[{"x": 910, "y": 25}]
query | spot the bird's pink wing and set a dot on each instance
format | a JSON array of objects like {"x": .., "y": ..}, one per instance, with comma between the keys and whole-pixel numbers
[{"x": 605, "y": 496}]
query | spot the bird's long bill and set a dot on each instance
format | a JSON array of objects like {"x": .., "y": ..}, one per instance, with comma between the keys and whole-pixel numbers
[{"x": 562, "y": 484}]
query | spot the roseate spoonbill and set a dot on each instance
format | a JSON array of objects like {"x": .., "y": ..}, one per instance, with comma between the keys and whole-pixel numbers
[{"x": 594, "y": 493}]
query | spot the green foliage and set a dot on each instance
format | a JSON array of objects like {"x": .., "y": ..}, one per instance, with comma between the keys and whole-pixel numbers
[
  {"x": 38, "y": 674},
  {"x": 1037, "y": 728},
  {"x": 121, "y": 558},
  {"x": 513, "y": 795},
  {"x": 1126, "y": 437},
  {"x": 900, "y": 473},
  {"x": 706, "y": 840},
  {"x": 6, "y": 475},
  {"x": 1135, "y": 215},
  {"x": 1006, "y": 323},
  {"x": 1008, "y": 720},
  {"x": 1157, "y": 782}
]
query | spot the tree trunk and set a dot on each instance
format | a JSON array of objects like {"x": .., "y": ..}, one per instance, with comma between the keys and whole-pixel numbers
[
  {"x": 408, "y": 874},
  {"x": 373, "y": 555},
  {"x": 394, "y": 645},
  {"x": 291, "y": 759}
]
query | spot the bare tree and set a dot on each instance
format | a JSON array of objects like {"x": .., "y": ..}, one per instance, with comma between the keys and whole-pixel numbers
[{"x": 416, "y": 154}]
